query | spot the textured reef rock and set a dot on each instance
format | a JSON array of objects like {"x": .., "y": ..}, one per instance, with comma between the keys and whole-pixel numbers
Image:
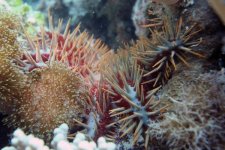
[
  {"x": 199, "y": 12},
  {"x": 196, "y": 119},
  {"x": 202, "y": 14}
]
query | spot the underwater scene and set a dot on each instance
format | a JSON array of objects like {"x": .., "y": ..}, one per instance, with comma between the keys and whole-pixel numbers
[{"x": 112, "y": 74}]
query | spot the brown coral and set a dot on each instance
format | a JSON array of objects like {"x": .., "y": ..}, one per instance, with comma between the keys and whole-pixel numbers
[
  {"x": 9, "y": 26},
  {"x": 11, "y": 78},
  {"x": 54, "y": 95},
  {"x": 9, "y": 19},
  {"x": 12, "y": 81}
]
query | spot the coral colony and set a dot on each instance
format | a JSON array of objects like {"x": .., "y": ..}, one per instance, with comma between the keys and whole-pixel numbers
[
  {"x": 58, "y": 81},
  {"x": 22, "y": 141}
]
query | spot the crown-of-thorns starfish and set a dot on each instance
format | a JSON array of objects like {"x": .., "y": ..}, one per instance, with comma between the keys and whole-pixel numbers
[
  {"x": 158, "y": 56},
  {"x": 76, "y": 49},
  {"x": 134, "y": 108}
]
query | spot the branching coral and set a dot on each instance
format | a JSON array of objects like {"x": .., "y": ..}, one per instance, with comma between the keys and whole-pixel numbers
[{"x": 22, "y": 141}]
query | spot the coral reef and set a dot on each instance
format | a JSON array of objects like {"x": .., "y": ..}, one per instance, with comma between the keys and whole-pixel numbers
[{"x": 154, "y": 93}]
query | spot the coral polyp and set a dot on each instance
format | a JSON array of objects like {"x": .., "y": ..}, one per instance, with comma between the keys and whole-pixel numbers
[
  {"x": 11, "y": 78},
  {"x": 12, "y": 81},
  {"x": 160, "y": 55},
  {"x": 53, "y": 95},
  {"x": 9, "y": 28},
  {"x": 134, "y": 107}
]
